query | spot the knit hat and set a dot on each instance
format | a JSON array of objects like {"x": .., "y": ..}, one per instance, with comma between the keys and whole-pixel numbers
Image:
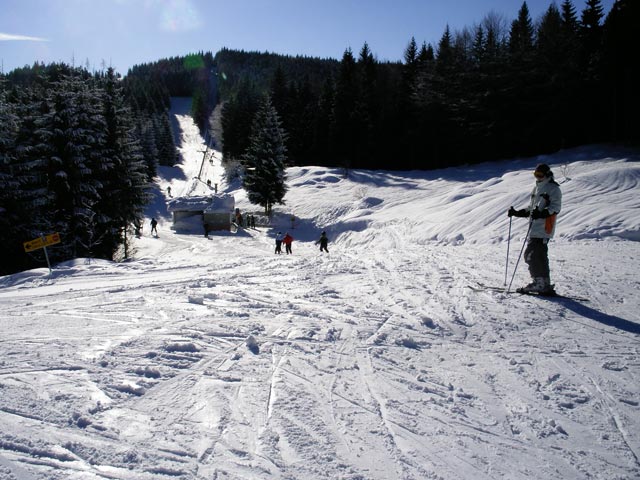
[{"x": 544, "y": 169}]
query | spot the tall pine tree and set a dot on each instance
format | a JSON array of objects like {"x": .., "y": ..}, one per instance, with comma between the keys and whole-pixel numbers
[
  {"x": 265, "y": 159},
  {"x": 125, "y": 176},
  {"x": 73, "y": 130},
  {"x": 621, "y": 70},
  {"x": 343, "y": 129}
]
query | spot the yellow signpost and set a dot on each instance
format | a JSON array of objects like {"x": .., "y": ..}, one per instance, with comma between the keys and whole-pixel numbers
[
  {"x": 42, "y": 242},
  {"x": 33, "y": 244}
]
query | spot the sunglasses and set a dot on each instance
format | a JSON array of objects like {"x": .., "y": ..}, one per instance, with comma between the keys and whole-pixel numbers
[{"x": 538, "y": 174}]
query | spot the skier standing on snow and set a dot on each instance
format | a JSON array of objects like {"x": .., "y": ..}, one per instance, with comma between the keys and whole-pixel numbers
[
  {"x": 323, "y": 241},
  {"x": 287, "y": 240},
  {"x": 546, "y": 200},
  {"x": 279, "y": 243},
  {"x": 154, "y": 224}
]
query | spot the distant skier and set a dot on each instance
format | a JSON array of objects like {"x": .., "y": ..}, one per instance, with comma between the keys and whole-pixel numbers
[
  {"x": 287, "y": 240},
  {"x": 279, "y": 243},
  {"x": 154, "y": 224},
  {"x": 323, "y": 241},
  {"x": 169, "y": 192},
  {"x": 545, "y": 204}
]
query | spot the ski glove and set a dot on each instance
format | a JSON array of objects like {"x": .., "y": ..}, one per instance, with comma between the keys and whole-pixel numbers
[
  {"x": 540, "y": 214},
  {"x": 518, "y": 213}
]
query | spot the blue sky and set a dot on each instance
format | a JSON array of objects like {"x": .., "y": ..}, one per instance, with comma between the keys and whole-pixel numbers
[{"x": 122, "y": 33}]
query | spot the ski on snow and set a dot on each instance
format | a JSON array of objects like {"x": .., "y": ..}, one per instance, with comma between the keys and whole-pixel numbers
[{"x": 481, "y": 287}]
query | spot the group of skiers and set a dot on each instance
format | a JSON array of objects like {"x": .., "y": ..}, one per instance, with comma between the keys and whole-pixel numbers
[
  {"x": 248, "y": 221},
  {"x": 287, "y": 239}
]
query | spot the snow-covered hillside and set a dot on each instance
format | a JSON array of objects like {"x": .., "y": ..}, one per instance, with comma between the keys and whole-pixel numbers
[{"x": 214, "y": 358}]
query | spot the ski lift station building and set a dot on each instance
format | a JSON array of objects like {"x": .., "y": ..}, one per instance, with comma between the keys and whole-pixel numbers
[{"x": 191, "y": 213}]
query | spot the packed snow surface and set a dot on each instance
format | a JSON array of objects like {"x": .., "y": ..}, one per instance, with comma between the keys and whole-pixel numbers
[{"x": 203, "y": 358}]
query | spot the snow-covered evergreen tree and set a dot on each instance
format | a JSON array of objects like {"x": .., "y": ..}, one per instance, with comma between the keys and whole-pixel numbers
[
  {"x": 167, "y": 154},
  {"x": 125, "y": 179},
  {"x": 8, "y": 133},
  {"x": 74, "y": 131},
  {"x": 9, "y": 186},
  {"x": 147, "y": 134},
  {"x": 265, "y": 159}
]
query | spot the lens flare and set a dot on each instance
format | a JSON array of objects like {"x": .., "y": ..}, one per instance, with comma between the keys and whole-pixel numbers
[{"x": 179, "y": 16}]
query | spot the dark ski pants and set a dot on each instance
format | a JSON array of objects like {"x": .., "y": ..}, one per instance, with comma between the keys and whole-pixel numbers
[{"x": 536, "y": 256}]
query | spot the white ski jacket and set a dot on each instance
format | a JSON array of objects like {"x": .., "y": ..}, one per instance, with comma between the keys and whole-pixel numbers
[{"x": 546, "y": 195}]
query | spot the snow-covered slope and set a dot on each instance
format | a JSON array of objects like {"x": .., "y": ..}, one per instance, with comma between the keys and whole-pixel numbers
[{"x": 214, "y": 358}]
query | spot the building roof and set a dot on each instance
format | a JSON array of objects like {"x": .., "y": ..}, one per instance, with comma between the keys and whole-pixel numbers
[{"x": 222, "y": 202}]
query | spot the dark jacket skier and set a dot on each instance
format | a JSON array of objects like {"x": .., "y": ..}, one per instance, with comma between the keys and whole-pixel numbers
[
  {"x": 545, "y": 204},
  {"x": 154, "y": 224},
  {"x": 323, "y": 241},
  {"x": 279, "y": 243}
]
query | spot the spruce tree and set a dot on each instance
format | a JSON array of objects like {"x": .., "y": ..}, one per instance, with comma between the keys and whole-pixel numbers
[
  {"x": 125, "y": 177},
  {"x": 265, "y": 159},
  {"x": 591, "y": 101},
  {"x": 521, "y": 36},
  {"x": 73, "y": 130},
  {"x": 445, "y": 56},
  {"x": 550, "y": 41},
  {"x": 146, "y": 132},
  {"x": 591, "y": 34},
  {"x": 365, "y": 113},
  {"x": 621, "y": 70},
  {"x": 301, "y": 122},
  {"x": 322, "y": 126},
  {"x": 569, "y": 18},
  {"x": 570, "y": 78},
  {"x": 33, "y": 199},
  {"x": 279, "y": 92},
  {"x": 163, "y": 133},
  {"x": 521, "y": 88},
  {"x": 439, "y": 103},
  {"x": 405, "y": 127},
  {"x": 237, "y": 117},
  {"x": 550, "y": 61},
  {"x": 426, "y": 56},
  {"x": 344, "y": 127},
  {"x": 11, "y": 220}
]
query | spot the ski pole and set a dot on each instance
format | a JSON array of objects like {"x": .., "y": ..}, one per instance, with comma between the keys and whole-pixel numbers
[
  {"x": 506, "y": 266},
  {"x": 526, "y": 237}
]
